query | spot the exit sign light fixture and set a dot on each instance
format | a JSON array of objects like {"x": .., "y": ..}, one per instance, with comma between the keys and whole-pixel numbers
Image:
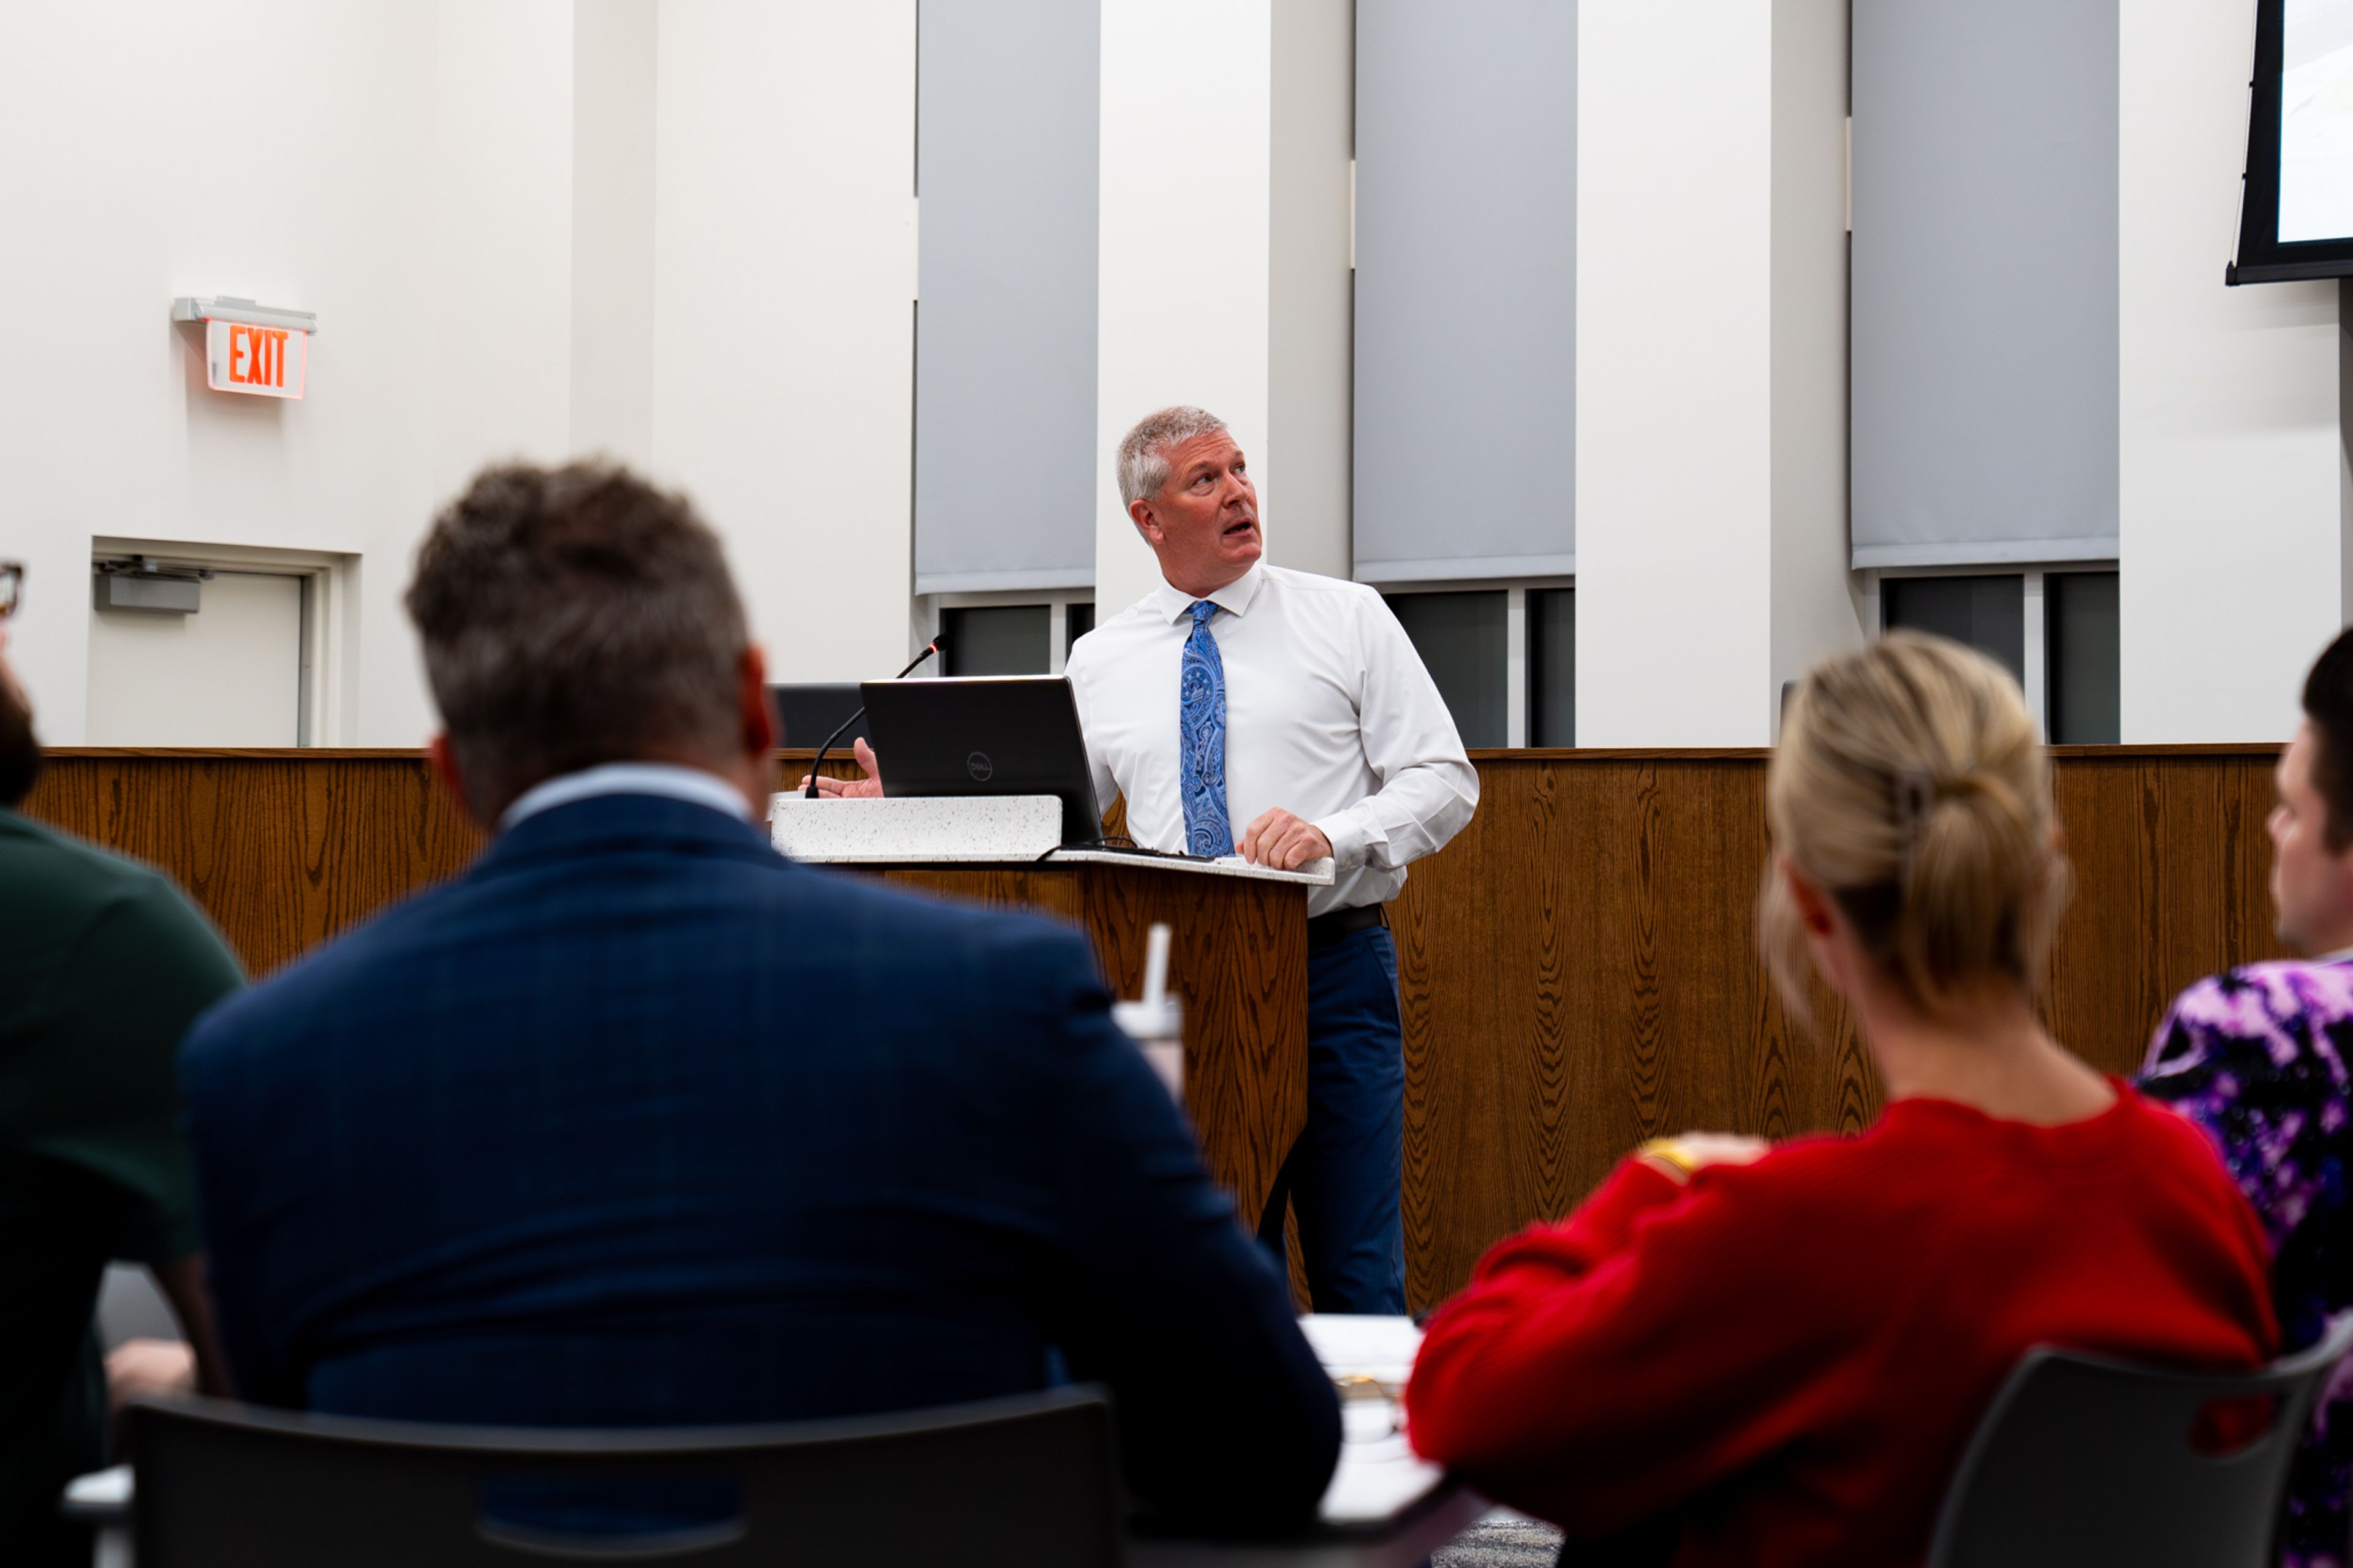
[{"x": 260, "y": 350}]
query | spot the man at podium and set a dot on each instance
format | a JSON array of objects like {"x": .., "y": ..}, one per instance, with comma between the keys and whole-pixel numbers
[{"x": 1242, "y": 708}]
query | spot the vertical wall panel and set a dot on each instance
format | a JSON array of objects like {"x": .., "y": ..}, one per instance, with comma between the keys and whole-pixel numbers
[
  {"x": 1006, "y": 136},
  {"x": 613, "y": 48},
  {"x": 1985, "y": 315},
  {"x": 1466, "y": 298}
]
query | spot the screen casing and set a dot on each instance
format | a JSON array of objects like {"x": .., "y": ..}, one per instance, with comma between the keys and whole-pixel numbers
[{"x": 2262, "y": 256}]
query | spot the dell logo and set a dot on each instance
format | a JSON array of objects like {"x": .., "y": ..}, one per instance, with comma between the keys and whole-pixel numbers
[{"x": 979, "y": 767}]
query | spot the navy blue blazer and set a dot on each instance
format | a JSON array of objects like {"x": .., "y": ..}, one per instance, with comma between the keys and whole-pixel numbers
[{"x": 638, "y": 1123}]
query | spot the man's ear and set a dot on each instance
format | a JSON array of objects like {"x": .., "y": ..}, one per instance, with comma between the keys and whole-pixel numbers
[
  {"x": 442, "y": 758},
  {"x": 1145, "y": 523},
  {"x": 752, "y": 695}
]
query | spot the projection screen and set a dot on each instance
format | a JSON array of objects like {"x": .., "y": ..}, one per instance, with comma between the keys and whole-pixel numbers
[{"x": 2296, "y": 216}]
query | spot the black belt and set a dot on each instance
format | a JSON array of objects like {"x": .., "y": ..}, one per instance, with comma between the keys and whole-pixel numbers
[{"x": 1322, "y": 930}]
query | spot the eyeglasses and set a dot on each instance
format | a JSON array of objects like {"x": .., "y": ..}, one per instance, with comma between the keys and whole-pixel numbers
[{"x": 12, "y": 587}]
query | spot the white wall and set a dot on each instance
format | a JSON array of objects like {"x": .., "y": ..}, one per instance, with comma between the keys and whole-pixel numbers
[
  {"x": 615, "y": 44},
  {"x": 1673, "y": 372},
  {"x": 682, "y": 231},
  {"x": 784, "y": 290},
  {"x": 2231, "y": 522},
  {"x": 1816, "y": 609},
  {"x": 410, "y": 174},
  {"x": 144, "y": 163},
  {"x": 1311, "y": 310},
  {"x": 1187, "y": 123}
]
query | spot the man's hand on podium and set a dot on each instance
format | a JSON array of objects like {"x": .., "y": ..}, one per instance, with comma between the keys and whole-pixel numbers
[
  {"x": 868, "y": 788},
  {"x": 1282, "y": 841}
]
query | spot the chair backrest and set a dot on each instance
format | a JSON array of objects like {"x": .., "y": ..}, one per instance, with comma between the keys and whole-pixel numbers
[
  {"x": 1030, "y": 1481},
  {"x": 2087, "y": 1461}
]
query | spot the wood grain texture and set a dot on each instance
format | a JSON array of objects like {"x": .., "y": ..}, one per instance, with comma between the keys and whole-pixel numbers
[
  {"x": 1239, "y": 960},
  {"x": 282, "y": 850},
  {"x": 282, "y": 847},
  {"x": 1577, "y": 970}
]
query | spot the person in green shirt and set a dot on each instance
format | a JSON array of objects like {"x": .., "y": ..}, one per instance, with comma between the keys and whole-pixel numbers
[{"x": 103, "y": 965}]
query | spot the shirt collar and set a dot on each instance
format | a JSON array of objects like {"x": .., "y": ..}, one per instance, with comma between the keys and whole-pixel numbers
[
  {"x": 1234, "y": 598},
  {"x": 668, "y": 779}
]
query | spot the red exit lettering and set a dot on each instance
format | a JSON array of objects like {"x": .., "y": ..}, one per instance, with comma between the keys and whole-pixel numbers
[{"x": 257, "y": 356}]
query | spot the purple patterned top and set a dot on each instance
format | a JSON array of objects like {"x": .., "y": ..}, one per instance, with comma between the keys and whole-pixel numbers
[{"x": 2257, "y": 1058}]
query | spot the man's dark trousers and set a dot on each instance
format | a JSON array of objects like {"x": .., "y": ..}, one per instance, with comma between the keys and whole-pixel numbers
[{"x": 1343, "y": 1174}]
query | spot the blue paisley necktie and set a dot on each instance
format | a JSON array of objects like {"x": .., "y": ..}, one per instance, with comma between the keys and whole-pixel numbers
[{"x": 1201, "y": 739}]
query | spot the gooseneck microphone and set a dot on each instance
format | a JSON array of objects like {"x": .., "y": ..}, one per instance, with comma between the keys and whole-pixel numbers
[{"x": 818, "y": 762}]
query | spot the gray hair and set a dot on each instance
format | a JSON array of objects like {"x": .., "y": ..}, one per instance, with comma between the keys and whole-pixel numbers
[
  {"x": 1142, "y": 451},
  {"x": 572, "y": 616}
]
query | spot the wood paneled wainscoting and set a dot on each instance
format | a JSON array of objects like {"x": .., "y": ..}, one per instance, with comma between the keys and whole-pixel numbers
[
  {"x": 1577, "y": 969},
  {"x": 283, "y": 848}
]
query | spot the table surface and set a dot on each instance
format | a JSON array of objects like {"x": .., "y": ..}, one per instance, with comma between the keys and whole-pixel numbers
[{"x": 1384, "y": 1507}]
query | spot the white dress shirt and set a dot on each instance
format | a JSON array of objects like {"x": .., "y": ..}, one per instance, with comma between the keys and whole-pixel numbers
[
  {"x": 669, "y": 779},
  {"x": 1329, "y": 714}
]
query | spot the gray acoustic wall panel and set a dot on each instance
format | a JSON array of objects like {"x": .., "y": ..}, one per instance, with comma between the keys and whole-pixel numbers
[
  {"x": 1006, "y": 131},
  {"x": 1466, "y": 289},
  {"x": 1984, "y": 337}
]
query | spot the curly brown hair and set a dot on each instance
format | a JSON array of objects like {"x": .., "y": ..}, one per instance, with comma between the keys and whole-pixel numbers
[{"x": 571, "y": 617}]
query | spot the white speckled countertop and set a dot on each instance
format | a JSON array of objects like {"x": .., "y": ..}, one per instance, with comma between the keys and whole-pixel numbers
[
  {"x": 1004, "y": 829},
  {"x": 915, "y": 828}
]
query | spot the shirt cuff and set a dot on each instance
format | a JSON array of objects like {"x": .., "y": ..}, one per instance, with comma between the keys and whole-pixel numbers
[{"x": 1350, "y": 837}]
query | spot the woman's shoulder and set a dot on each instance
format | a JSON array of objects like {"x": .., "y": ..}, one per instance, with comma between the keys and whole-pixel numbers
[
  {"x": 2256, "y": 999},
  {"x": 1924, "y": 1141},
  {"x": 2257, "y": 1020},
  {"x": 1818, "y": 1172}
]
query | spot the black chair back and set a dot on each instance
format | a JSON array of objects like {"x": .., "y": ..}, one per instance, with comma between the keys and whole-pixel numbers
[
  {"x": 1027, "y": 1481},
  {"x": 2084, "y": 1461}
]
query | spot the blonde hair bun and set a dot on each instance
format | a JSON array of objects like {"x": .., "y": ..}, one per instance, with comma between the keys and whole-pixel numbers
[{"x": 1909, "y": 785}]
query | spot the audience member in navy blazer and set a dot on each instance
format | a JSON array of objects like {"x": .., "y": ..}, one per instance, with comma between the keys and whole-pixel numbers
[{"x": 638, "y": 1123}]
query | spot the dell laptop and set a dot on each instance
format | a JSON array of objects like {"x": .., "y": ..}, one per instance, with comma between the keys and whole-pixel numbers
[{"x": 986, "y": 734}]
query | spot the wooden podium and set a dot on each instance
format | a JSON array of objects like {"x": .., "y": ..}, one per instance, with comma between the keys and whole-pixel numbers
[{"x": 1238, "y": 957}]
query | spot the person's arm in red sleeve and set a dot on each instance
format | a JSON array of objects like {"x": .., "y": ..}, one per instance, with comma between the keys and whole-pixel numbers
[
  {"x": 1462, "y": 1380},
  {"x": 1599, "y": 1371}
]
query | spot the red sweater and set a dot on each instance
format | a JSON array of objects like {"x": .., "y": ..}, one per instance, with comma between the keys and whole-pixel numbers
[{"x": 1810, "y": 1340}]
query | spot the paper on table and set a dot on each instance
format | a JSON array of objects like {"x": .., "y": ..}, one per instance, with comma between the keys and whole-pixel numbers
[
  {"x": 1351, "y": 1346},
  {"x": 1378, "y": 1478},
  {"x": 1375, "y": 1482}
]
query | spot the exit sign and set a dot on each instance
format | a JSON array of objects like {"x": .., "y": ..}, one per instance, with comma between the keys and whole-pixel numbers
[{"x": 266, "y": 361}]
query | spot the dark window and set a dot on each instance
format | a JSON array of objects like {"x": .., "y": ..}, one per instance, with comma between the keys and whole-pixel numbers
[
  {"x": 2079, "y": 618},
  {"x": 1552, "y": 666},
  {"x": 1987, "y": 614},
  {"x": 1080, "y": 619},
  {"x": 997, "y": 639},
  {"x": 1461, "y": 640},
  {"x": 808, "y": 711}
]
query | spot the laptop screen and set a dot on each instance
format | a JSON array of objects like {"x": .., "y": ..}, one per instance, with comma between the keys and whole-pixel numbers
[{"x": 983, "y": 735}]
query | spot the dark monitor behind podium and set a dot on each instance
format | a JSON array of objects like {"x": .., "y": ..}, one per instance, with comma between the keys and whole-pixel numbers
[
  {"x": 983, "y": 735},
  {"x": 808, "y": 711}
]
